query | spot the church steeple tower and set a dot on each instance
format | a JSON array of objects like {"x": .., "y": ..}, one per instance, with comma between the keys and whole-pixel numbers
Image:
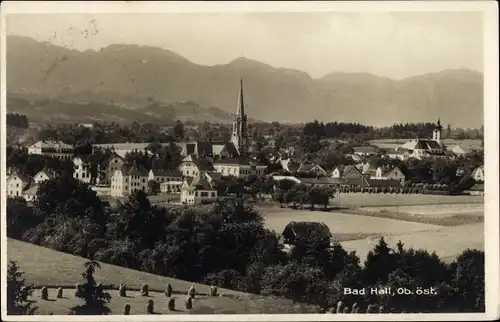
[
  {"x": 240, "y": 132},
  {"x": 437, "y": 134}
]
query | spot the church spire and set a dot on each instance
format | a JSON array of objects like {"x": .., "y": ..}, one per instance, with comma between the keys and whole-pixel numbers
[{"x": 240, "y": 109}]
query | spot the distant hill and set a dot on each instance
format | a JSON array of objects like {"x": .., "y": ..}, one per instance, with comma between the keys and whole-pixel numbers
[
  {"x": 131, "y": 76},
  {"x": 66, "y": 111}
]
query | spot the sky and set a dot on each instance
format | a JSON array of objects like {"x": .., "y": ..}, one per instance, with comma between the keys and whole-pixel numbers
[{"x": 390, "y": 44}]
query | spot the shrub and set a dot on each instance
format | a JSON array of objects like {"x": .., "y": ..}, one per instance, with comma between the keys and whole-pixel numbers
[
  {"x": 144, "y": 290},
  {"x": 126, "y": 309},
  {"x": 18, "y": 292},
  {"x": 122, "y": 290},
  {"x": 44, "y": 294},
  {"x": 168, "y": 290},
  {"x": 189, "y": 302},
  {"x": 171, "y": 304},
  {"x": 59, "y": 292},
  {"x": 150, "y": 307}
]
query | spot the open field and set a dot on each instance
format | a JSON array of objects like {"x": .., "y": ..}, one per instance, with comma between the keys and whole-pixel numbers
[
  {"x": 434, "y": 210},
  {"x": 353, "y": 200},
  {"x": 46, "y": 267},
  {"x": 345, "y": 226},
  {"x": 447, "y": 242}
]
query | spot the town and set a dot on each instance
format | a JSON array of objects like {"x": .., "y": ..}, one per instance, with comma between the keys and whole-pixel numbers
[
  {"x": 246, "y": 163},
  {"x": 119, "y": 169}
]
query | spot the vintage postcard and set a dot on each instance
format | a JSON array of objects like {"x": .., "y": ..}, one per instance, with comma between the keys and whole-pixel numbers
[{"x": 237, "y": 161}]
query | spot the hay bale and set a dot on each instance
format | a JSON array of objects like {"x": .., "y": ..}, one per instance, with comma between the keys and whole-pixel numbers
[
  {"x": 59, "y": 292},
  {"x": 171, "y": 304},
  {"x": 122, "y": 291},
  {"x": 192, "y": 292},
  {"x": 150, "y": 307},
  {"x": 340, "y": 307},
  {"x": 213, "y": 290},
  {"x": 189, "y": 302},
  {"x": 168, "y": 290},
  {"x": 145, "y": 290},
  {"x": 126, "y": 309},
  {"x": 44, "y": 293}
]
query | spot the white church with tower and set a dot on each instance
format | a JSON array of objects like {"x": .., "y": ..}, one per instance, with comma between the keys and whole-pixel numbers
[{"x": 425, "y": 148}]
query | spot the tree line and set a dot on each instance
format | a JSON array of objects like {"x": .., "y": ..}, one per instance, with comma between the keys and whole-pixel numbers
[{"x": 17, "y": 120}]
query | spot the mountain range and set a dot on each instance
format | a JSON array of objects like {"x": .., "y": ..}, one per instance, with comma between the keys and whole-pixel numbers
[{"x": 133, "y": 77}]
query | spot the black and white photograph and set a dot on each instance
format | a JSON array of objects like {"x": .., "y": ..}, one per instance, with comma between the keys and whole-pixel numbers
[{"x": 226, "y": 161}]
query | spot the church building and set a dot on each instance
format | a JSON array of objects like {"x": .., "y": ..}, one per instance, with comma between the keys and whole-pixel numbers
[{"x": 425, "y": 148}]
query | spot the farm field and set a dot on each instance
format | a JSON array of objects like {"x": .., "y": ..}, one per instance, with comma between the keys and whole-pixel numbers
[
  {"x": 434, "y": 210},
  {"x": 447, "y": 242},
  {"x": 353, "y": 200},
  {"x": 345, "y": 226},
  {"x": 46, "y": 267}
]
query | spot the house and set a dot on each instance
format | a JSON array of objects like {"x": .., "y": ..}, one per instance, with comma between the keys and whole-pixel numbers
[
  {"x": 30, "y": 193},
  {"x": 55, "y": 149},
  {"x": 365, "y": 150},
  {"x": 128, "y": 179},
  {"x": 160, "y": 175},
  {"x": 170, "y": 181},
  {"x": 44, "y": 175},
  {"x": 396, "y": 153},
  {"x": 312, "y": 168},
  {"x": 197, "y": 190},
  {"x": 193, "y": 166},
  {"x": 81, "y": 169},
  {"x": 289, "y": 165},
  {"x": 123, "y": 149},
  {"x": 478, "y": 174},
  {"x": 115, "y": 162},
  {"x": 303, "y": 229},
  {"x": 459, "y": 150},
  {"x": 367, "y": 169},
  {"x": 213, "y": 176},
  {"x": 323, "y": 182},
  {"x": 389, "y": 173},
  {"x": 338, "y": 171},
  {"x": 351, "y": 172},
  {"x": 239, "y": 167},
  {"x": 16, "y": 184}
]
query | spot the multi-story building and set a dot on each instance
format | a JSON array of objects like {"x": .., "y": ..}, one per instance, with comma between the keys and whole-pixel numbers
[
  {"x": 197, "y": 190},
  {"x": 192, "y": 166},
  {"x": 390, "y": 173},
  {"x": 44, "y": 175},
  {"x": 169, "y": 181},
  {"x": 478, "y": 174},
  {"x": 81, "y": 170},
  {"x": 115, "y": 162},
  {"x": 55, "y": 149},
  {"x": 128, "y": 179},
  {"x": 239, "y": 167},
  {"x": 17, "y": 183}
]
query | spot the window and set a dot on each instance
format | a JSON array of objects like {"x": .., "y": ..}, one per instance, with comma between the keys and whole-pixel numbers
[{"x": 143, "y": 180}]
